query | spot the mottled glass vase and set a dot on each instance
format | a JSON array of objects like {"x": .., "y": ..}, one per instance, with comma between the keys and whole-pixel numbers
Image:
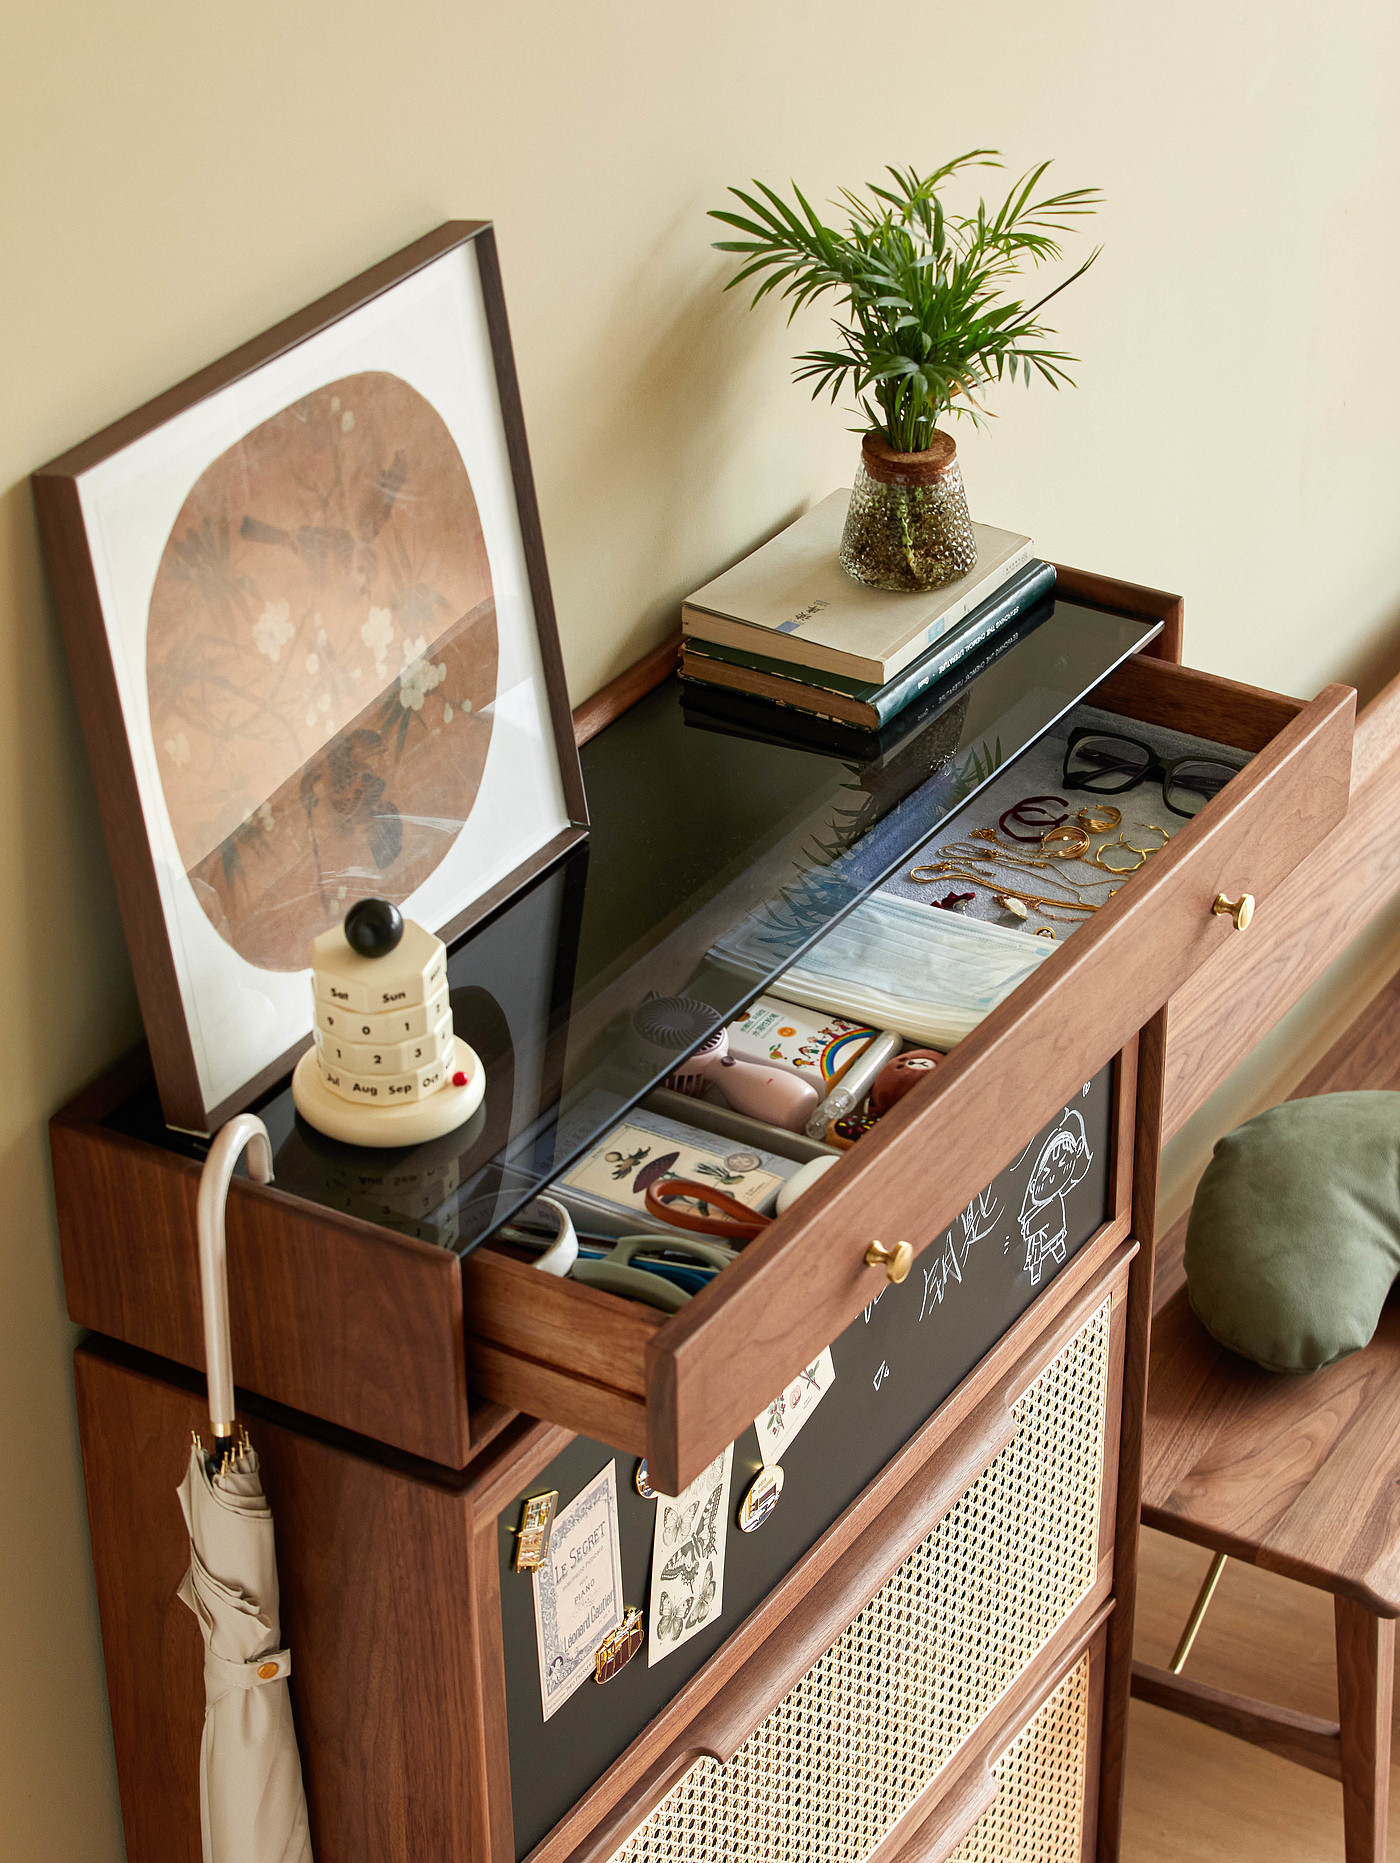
[{"x": 908, "y": 527}]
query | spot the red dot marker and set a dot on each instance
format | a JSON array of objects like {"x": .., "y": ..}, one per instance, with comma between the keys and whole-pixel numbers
[{"x": 459, "y": 1079}]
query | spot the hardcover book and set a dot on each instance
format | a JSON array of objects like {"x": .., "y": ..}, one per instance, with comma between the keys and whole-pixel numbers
[
  {"x": 858, "y": 702},
  {"x": 792, "y": 601}
]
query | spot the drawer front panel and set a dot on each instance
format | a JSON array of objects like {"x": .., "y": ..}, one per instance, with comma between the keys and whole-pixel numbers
[
  {"x": 1038, "y": 1815},
  {"x": 865, "y": 1731}
]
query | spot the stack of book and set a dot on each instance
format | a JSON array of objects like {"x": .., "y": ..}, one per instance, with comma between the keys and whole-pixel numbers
[{"x": 789, "y": 627}]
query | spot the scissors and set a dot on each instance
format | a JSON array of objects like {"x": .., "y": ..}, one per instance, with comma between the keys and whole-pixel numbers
[{"x": 661, "y": 1270}]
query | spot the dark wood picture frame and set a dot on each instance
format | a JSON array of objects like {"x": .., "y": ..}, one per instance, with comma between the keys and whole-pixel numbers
[{"x": 72, "y": 572}]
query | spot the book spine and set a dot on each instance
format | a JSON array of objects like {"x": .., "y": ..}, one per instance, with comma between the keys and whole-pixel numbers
[
  {"x": 893, "y": 698},
  {"x": 791, "y": 694},
  {"x": 958, "y": 613},
  {"x": 782, "y": 669}
]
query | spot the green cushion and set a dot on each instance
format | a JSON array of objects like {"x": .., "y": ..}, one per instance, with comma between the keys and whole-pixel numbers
[{"x": 1294, "y": 1237}]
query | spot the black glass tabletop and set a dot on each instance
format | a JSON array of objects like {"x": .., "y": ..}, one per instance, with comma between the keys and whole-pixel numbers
[{"x": 726, "y": 836}]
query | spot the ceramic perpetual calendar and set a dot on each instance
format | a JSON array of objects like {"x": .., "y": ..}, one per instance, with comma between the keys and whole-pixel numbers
[{"x": 387, "y": 1068}]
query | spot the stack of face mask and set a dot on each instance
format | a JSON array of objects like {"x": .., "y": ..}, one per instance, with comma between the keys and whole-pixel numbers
[{"x": 932, "y": 976}]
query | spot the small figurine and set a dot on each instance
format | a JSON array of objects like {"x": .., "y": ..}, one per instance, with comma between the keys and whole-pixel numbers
[
  {"x": 896, "y": 1077},
  {"x": 387, "y": 1067}
]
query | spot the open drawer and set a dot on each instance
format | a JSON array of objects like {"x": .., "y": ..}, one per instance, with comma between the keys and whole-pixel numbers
[{"x": 682, "y": 1388}]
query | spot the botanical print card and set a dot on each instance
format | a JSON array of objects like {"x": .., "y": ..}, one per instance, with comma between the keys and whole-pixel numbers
[
  {"x": 687, "y": 1559},
  {"x": 791, "y": 1408},
  {"x": 578, "y": 1590}
]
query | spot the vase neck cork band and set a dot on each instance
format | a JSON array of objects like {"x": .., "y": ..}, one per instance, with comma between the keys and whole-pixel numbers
[{"x": 926, "y": 468}]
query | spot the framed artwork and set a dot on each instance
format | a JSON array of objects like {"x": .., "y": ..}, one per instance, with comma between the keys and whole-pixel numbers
[{"x": 311, "y": 634}]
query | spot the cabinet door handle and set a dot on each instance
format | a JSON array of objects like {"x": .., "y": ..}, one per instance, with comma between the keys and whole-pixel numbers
[
  {"x": 896, "y": 1261},
  {"x": 1241, "y": 910}
]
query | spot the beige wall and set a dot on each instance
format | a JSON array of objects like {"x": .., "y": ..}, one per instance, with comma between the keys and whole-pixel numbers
[{"x": 176, "y": 177}]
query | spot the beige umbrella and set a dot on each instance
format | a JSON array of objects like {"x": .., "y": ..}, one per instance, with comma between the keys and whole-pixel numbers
[{"x": 251, "y": 1802}]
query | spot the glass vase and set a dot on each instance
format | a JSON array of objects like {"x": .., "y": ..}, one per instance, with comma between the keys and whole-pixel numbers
[{"x": 908, "y": 527}]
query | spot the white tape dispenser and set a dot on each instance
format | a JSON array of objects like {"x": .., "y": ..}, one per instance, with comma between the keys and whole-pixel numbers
[{"x": 387, "y": 1067}]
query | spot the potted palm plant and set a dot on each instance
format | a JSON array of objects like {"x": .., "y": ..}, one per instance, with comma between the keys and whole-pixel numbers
[{"x": 926, "y": 322}]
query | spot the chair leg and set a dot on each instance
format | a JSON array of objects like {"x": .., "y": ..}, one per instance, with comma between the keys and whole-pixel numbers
[{"x": 1365, "y": 1675}]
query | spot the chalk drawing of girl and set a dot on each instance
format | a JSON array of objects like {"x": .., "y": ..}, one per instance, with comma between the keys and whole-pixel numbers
[{"x": 1063, "y": 1162}]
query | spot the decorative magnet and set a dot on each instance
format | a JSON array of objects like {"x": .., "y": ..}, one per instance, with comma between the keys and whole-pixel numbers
[
  {"x": 643, "y": 1486},
  {"x": 617, "y": 1649},
  {"x": 536, "y": 1525},
  {"x": 761, "y": 1498}
]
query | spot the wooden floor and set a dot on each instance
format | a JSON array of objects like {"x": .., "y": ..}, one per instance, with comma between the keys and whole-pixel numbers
[{"x": 1195, "y": 1796}]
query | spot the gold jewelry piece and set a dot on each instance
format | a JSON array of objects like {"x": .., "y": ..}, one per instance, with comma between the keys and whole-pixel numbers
[
  {"x": 1145, "y": 851},
  {"x": 1066, "y": 843},
  {"x": 1005, "y": 850},
  {"x": 1047, "y": 903},
  {"x": 1101, "y": 819},
  {"x": 1044, "y": 931},
  {"x": 1108, "y": 866}
]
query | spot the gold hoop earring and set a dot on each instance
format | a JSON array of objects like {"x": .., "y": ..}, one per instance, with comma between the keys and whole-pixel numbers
[
  {"x": 1100, "y": 820},
  {"x": 1147, "y": 851},
  {"x": 1108, "y": 867}
]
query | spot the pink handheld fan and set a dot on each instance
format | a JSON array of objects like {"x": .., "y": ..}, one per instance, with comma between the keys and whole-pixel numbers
[{"x": 763, "y": 1090}]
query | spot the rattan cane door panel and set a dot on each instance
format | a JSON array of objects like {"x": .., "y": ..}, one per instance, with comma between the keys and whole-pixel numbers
[
  {"x": 869, "y": 1726},
  {"x": 1038, "y": 1815}
]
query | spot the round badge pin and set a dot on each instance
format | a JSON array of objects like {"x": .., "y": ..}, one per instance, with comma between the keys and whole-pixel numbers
[
  {"x": 761, "y": 1498},
  {"x": 643, "y": 1486}
]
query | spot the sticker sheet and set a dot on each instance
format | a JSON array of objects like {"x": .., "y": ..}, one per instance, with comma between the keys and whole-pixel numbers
[
  {"x": 578, "y": 1590},
  {"x": 687, "y": 1559},
  {"x": 791, "y": 1408},
  {"x": 632, "y": 1158}
]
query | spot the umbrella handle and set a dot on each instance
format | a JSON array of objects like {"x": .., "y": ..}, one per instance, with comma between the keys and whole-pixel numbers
[{"x": 229, "y": 1141}]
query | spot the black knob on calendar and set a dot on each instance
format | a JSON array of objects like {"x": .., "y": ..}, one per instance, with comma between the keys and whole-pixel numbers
[{"x": 373, "y": 927}]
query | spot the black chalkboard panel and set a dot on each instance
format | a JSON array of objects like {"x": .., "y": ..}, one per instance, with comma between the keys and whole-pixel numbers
[{"x": 894, "y": 1366}]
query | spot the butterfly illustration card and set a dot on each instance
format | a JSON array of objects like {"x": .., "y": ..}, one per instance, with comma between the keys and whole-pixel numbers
[
  {"x": 687, "y": 1559},
  {"x": 578, "y": 1589},
  {"x": 791, "y": 1408}
]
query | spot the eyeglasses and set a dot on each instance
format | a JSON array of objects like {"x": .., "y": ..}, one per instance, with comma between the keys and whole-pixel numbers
[{"x": 1104, "y": 764}]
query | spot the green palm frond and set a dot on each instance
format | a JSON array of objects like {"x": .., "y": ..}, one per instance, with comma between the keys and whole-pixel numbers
[{"x": 923, "y": 321}]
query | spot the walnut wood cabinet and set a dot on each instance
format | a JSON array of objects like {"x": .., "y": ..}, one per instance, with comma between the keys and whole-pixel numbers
[{"x": 404, "y": 1398}]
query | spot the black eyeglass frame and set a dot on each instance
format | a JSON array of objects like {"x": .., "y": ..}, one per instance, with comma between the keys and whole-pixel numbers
[{"x": 1154, "y": 768}]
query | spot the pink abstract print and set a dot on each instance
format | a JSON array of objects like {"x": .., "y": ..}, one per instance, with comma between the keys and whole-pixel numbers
[{"x": 321, "y": 664}]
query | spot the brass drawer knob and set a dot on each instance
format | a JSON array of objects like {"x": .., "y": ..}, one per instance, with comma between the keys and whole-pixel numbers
[
  {"x": 1241, "y": 910},
  {"x": 896, "y": 1261}
]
